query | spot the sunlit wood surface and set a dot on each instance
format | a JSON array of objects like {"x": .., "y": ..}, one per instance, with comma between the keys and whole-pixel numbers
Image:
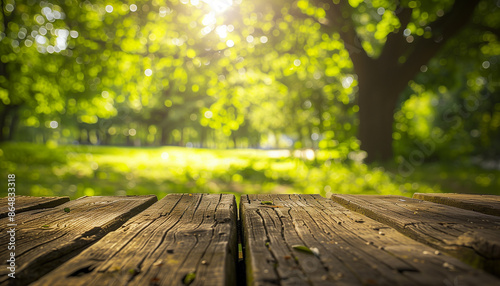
[
  {"x": 310, "y": 240},
  {"x": 286, "y": 239},
  {"x": 488, "y": 204}
]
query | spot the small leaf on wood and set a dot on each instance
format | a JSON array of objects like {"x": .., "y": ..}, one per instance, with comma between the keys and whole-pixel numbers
[
  {"x": 134, "y": 271},
  {"x": 67, "y": 210},
  {"x": 266, "y": 203},
  {"x": 189, "y": 278},
  {"x": 302, "y": 248},
  {"x": 273, "y": 207}
]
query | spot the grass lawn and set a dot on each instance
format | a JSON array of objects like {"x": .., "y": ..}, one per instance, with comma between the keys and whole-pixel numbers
[{"x": 100, "y": 170}]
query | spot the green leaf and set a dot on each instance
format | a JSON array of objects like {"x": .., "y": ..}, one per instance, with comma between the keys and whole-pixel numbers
[
  {"x": 45, "y": 226},
  {"x": 189, "y": 278},
  {"x": 67, "y": 210},
  {"x": 133, "y": 271},
  {"x": 266, "y": 203},
  {"x": 302, "y": 248}
]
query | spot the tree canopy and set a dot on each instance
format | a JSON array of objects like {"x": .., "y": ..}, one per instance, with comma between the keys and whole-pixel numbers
[{"x": 342, "y": 75}]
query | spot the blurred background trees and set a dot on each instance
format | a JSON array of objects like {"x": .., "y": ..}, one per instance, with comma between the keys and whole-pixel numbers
[{"x": 378, "y": 76}]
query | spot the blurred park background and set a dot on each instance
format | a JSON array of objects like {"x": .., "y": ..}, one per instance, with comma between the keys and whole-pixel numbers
[{"x": 108, "y": 97}]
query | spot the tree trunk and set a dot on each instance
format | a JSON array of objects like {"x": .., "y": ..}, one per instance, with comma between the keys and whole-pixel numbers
[
  {"x": 233, "y": 136},
  {"x": 301, "y": 137},
  {"x": 382, "y": 79},
  {"x": 3, "y": 120},
  {"x": 203, "y": 137},
  {"x": 376, "y": 116},
  {"x": 82, "y": 137},
  {"x": 181, "y": 142},
  {"x": 97, "y": 137},
  {"x": 105, "y": 137},
  {"x": 165, "y": 133},
  {"x": 8, "y": 120}
]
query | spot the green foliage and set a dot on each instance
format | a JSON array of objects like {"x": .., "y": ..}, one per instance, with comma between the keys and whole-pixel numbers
[
  {"x": 454, "y": 103},
  {"x": 258, "y": 74},
  {"x": 112, "y": 72}
]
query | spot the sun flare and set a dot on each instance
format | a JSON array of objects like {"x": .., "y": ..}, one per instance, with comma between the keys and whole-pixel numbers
[{"x": 219, "y": 6}]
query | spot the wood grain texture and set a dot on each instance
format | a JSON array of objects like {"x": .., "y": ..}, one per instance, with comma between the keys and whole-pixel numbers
[
  {"x": 487, "y": 204},
  {"x": 351, "y": 248},
  {"x": 178, "y": 235},
  {"x": 45, "y": 238},
  {"x": 470, "y": 236},
  {"x": 27, "y": 203}
]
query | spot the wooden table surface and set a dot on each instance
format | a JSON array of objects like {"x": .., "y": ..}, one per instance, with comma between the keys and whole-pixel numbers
[{"x": 192, "y": 239}]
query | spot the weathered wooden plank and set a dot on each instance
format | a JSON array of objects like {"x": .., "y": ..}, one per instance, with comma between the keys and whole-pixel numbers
[
  {"x": 470, "y": 236},
  {"x": 351, "y": 249},
  {"x": 487, "y": 204},
  {"x": 27, "y": 203},
  {"x": 45, "y": 238},
  {"x": 180, "y": 235}
]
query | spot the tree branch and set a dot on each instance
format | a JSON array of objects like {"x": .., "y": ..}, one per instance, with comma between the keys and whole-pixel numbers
[
  {"x": 338, "y": 20},
  {"x": 340, "y": 17},
  {"x": 492, "y": 30},
  {"x": 455, "y": 19},
  {"x": 443, "y": 29},
  {"x": 396, "y": 43},
  {"x": 404, "y": 15}
]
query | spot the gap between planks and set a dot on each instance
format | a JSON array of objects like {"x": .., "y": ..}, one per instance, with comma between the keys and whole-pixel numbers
[{"x": 28, "y": 203}]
